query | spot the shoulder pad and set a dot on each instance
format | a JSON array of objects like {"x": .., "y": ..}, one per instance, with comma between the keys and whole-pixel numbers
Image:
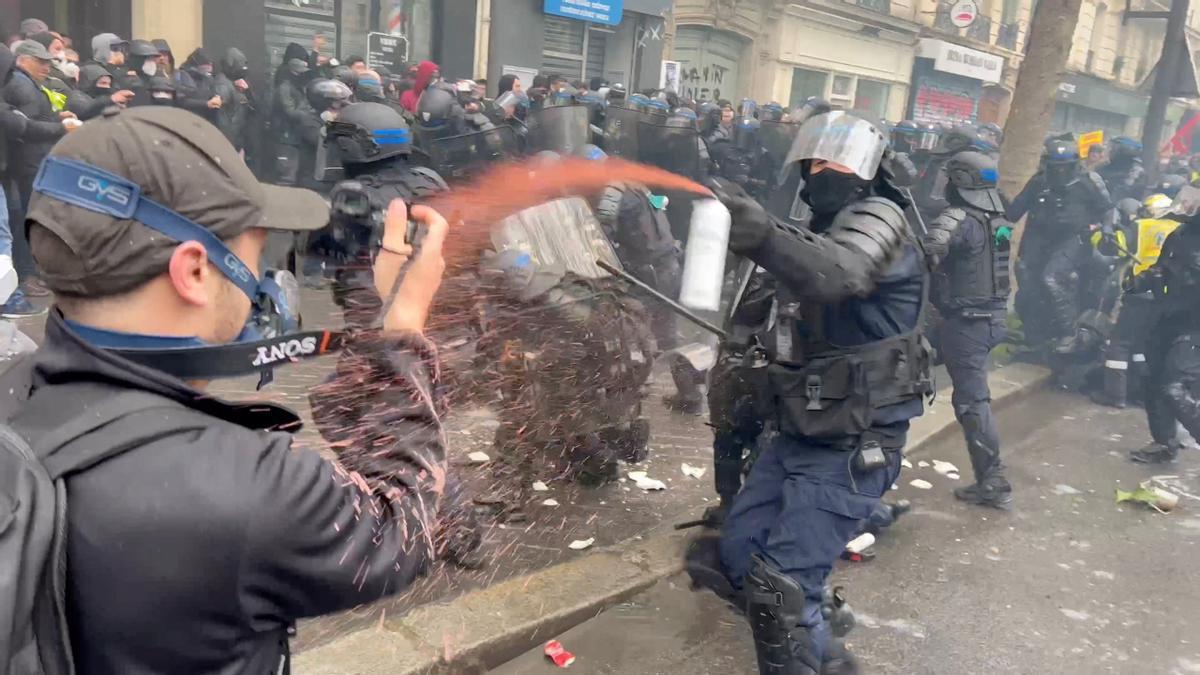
[
  {"x": 609, "y": 204},
  {"x": 876, "y": 226},
  {"x": 940, "y": 231},
  {"x": 949, "y": 219}
]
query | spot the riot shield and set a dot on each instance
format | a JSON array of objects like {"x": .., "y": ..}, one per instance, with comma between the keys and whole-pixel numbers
[
  {"x": 777, "y": 138},
  {"x": 621, "y": 130},
  {"x": 560, "y": 234},
  {"x": 562, "y": 128},
  {"x": 674, "y": 149},
  {"x": 460, "y": 157}
]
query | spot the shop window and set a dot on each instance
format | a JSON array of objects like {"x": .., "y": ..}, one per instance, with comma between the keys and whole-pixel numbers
[
  {"x": 842, "y": 84},
  {"x": 872, "y": 97},
  {"x": 573, "y": 50},
  {"x": 807, "y": 83}
]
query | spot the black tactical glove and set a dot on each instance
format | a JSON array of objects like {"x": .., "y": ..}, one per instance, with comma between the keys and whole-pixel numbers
[{"x": 750, "y": 223}]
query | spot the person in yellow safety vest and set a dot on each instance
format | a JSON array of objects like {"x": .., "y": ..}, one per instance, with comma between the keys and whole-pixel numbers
[{"x": 1125, "y": 353}]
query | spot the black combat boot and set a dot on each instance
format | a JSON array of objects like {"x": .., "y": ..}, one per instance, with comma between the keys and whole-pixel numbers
[
  {"x": 993, "y": 491},
  {"x": 838, "y": 660},
  {"x": 775, "y": 608},
  {"x": 1155, "y": 453},
  {"x": 702, "y": 562}
]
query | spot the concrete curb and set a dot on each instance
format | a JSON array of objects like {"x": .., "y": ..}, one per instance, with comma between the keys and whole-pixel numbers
[{"x": 485, "y": 628}]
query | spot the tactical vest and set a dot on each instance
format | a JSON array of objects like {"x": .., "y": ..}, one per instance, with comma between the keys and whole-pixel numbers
[
  {"x": 1060, "y": 213},
  {"x": 976, "y": 280},
  {"x": 645, "y": 244},
  {"x": 825, "y": 391}
]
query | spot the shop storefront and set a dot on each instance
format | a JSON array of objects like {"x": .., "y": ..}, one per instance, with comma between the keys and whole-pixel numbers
[
  {"x": 1088, "y": 103},
  {"x": 949, "y": 83},
  {"x": 710, "y": 63},
  {"x": 813, "y": 60},
  {"x": 618, "y": 41}
]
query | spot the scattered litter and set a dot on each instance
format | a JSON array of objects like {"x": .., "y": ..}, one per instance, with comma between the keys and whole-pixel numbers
[
  {"x": 479, "y": 458},
  {"x": 921, "y": 484},
  {"x": 580, "y": 544},
  {"x": 693, "y": 471},
  {"x": 558, "y": 654},
  {"x": 953, "y": 476},
  {"x": 1075, "y": 615},
  {"x": 1155, "y": 497},
  {"x": 1068, "y": 417},
  {"x": 906, "y": 464},
  {"x": 539, "y": 486},
  {"x": 923, "y": 464},
  {"x": 944, "y": 468},
  {"x": 1064, "y": 489},
  {"x": 645, "y": 482},
  {"x": 861, "y": 543},
  {"x": 895, "y": 487},
  {"x": 550, "y": 502},
  {"x": 1101, "y": 574}
]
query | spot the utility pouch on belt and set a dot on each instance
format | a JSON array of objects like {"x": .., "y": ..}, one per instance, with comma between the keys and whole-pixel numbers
[{"x": 824, "y": 398}]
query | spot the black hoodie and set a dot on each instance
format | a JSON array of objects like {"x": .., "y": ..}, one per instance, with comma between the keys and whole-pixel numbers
[
  {"x": 88, "y": 100},
  {"x": 237, "y": 106}
]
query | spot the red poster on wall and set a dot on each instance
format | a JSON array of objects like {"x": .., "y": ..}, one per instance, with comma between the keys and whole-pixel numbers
[{"x": 939, "y": 104}]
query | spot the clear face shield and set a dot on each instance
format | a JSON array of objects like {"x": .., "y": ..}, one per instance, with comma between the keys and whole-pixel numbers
[
  {"x": 927, "y": 140},
  {"x": 840, "y": 138}
]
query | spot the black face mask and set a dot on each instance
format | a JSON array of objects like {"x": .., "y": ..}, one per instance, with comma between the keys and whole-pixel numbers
[{"x": 829, "y": 191}]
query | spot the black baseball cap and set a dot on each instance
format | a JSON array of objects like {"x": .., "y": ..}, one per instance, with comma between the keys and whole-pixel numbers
[{"x": 101, "y": 182}]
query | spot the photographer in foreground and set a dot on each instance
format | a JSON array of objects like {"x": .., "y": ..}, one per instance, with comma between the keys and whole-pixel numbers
[{"x": 198, "y": 536}]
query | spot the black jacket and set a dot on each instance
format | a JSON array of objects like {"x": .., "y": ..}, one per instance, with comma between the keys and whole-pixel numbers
[
  {"x": 194, "y": 89},
  {"x": 193, "y": 552},
  {"x": 293, "y": 119},
  {"x": 42, "y": 129},
  {"x": 88, "y": 101}
]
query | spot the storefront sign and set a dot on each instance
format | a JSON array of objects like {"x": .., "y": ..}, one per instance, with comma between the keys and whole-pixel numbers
[
  {"x": 1097, "y": 94},
  {"x": 951, "y": 58},
  {"x": 389, "y": 51},
  {"x": 597, "y": 11}
]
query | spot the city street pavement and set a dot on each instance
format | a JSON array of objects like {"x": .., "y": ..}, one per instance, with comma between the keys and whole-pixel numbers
[{"x": 1068, "y": 582}]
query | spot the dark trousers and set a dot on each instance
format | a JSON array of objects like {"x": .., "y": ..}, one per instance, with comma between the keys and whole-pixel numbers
[
  {"x": 802, "y": 502},
  {"x": 965, "y": 345},
  {"x": 18, "y": 206},
  {"x": 1160, "y": 414}
]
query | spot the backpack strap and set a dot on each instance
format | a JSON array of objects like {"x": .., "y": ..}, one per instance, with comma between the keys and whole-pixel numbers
[{"x": 49, "y": 447}]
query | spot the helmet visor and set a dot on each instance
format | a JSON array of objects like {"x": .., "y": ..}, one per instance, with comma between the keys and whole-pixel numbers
[{"x": 841, "y": 138}]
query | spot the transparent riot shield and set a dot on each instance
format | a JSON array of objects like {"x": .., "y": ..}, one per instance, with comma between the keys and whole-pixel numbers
[
  {"x": 458, "y": 158},
  {"x": 562, "y": 234},
  {"x": 777, "y": 138},
  {"x": 621, "y": 130},
  {"x": 674, "y": 149},
  {"x": 562, "y": 128}
]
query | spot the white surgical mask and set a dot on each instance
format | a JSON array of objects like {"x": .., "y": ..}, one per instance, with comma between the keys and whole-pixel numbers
[{"x": 150, "y": 68}]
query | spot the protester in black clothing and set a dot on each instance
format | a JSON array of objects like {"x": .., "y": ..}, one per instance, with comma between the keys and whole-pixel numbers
[
  {"x": 196, "y": 88},
  {"x": 22, "y": 90},
  {"x": 291, "y": 120},
  {"x": 95, "y": 93},
  {"x": 238, "y": 102},
  {"x": 109, "y": 51},
  {"x": 166, "y": 58},
  {"x": 57, "y": 81}
]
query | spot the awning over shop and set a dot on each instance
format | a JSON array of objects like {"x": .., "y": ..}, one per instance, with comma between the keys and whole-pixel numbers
[{"x": 1090, "y": 92}]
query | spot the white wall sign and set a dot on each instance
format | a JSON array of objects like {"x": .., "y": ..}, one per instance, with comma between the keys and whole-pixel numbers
[
  {"x": 669, "y": 77},
  {"x": 959, "y": 60},
  {"x": 963, "y": 13}
]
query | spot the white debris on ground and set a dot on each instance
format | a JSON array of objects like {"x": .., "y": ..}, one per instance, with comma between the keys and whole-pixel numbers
[
  {"x": 1063, "y": 489},
  {"x": 921, "y": 484},
  {"x": 539, "y": 486},
  {"x": 944, "y": 468},
  {"x": 580, "y": 544},
  {"x": 479, "y": 458},
  {"x": 550, "y": 502},
  {"x": 645, "y": 482},
  {"x": 693, "y": 471}
]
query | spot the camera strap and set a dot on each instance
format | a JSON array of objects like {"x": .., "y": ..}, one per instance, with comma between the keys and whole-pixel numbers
[{"x": 238, "y": 358}]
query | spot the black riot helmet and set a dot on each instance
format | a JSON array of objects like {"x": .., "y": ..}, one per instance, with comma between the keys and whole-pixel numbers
[
  {"x": 745, "y": 134},
  {"x": 143, "y": 58},
  {"x": 771, "y": 112},
  {"x": 811, "y": 107},
  {"x": 905, "y": 136},
  {"x": 957, "y": 139},
  {"x": 1060, "y": 160},
  {"x": 1124, "y": 150},
  {"x": 1170, "y": 184},
  {"x": 710, "y": 116},
  {"x": 972, "y": 179},
  {"x": 684, "y": 118},
  {"x": 436, "y": 106},
  {"x": 345, "y": 75},
  {"x": 323, "y": 94},
  {"x": 992, "y": 133},
  {"x": 927, "y": 138},
  {"x": 369, "y": 132}
]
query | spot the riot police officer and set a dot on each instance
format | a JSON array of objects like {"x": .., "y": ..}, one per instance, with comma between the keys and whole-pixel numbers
[
  {"x": 1123, "y": 174},
  {"x": 931, "y": 185},
  {"x": 1065, "y": 203},
  {"x": 1173, "y": 353},
  {"x": 906, "y": 137},
  {"x": 969, "y": 246},
  {"x": 849, "y": 298}
]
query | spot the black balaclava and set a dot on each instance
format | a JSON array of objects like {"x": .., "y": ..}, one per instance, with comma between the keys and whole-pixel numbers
[{"x": 830, "y": 191}]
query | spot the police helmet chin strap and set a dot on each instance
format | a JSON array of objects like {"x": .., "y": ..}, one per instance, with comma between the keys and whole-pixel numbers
[{"x": 268, "y": 338}]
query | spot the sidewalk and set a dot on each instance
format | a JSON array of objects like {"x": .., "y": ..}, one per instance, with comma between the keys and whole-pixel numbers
[{"x": 635, "y": 546}]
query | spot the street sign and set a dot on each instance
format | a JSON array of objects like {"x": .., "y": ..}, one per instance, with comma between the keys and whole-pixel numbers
[
  {"x": 963, "y": 13},
  {"x": 389, "y": 51},
  {"x": 597, "y": 11},
  {"x": 1091, "y": 138}
]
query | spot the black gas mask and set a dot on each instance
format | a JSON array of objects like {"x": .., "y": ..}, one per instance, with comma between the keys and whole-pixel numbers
[{"x": 829, "y": 191}]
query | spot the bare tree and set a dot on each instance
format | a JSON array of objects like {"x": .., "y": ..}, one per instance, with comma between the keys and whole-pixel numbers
[{"x": 1051, "y": 32}]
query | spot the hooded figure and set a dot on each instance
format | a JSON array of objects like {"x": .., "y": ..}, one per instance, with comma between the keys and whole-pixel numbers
[
  {"x": 294, "y": 121},
  {"x": 167, "y": 60},
  {"x": 426, "y": 73},
  {"x": 108, "y": 50},
  {"x": 237, "y": 98},
  {"x": 196, "y": 89},
  {"x": 94, "y": 93},
  {"x": 294, "y": 50}
]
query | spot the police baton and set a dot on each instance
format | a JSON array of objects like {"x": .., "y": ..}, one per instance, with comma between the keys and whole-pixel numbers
[{"x": 675, "y": 306}]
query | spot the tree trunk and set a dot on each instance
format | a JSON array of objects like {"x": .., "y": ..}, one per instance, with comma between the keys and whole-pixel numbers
[{"x": 1051, "y": 32}]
